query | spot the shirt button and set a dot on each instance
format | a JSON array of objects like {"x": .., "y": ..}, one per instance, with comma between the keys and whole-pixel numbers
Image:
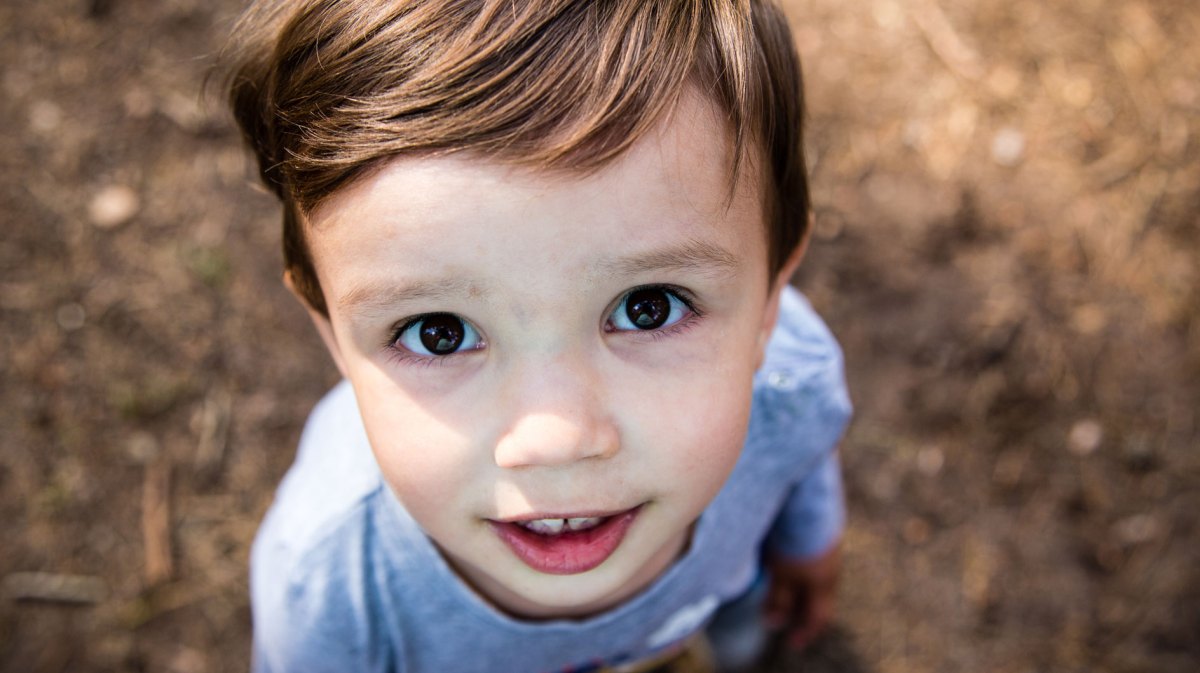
[{"x": 781, "y": 379}]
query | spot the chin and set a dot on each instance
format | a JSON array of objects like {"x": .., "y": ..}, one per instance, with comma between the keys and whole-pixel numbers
[
  {"x": 545, "y": 596},
  {"x": 579, "y": 595}
]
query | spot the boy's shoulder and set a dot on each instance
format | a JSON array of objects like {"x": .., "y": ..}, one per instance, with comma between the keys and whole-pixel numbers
[
  {"x": 331, "y": 481},
  {"x": 800, "y": 349},
  {"x": 801, "y": 403}
]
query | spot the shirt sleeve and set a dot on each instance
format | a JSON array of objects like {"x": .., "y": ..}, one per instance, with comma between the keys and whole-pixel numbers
[
  {"x": 307, "y": 626},
  {"x": 814, "y": 514},
  {"x": 315, "y": 632},
  {"x": 309, "y": 609}
]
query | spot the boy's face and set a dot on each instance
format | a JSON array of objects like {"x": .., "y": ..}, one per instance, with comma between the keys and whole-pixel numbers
[{"x": 529, "y": 347}]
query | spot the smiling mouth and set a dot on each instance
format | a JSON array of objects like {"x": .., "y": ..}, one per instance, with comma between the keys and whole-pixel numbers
[{"x": 565, "y": 545}]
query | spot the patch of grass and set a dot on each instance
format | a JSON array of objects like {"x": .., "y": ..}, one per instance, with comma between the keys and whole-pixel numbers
[
  {"x": 148, "y": 398},
  {"x": 210, "y": 265}
]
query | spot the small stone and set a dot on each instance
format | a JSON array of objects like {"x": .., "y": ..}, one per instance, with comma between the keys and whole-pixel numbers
[
  {"x": 829, "y": 227},
  {"x": 1085, "y": 437},
  {"x": 914, "y": 134},
  {"x": 113, "y": 206},
  {"x": 184, "y": 110},
  {"x": 1136, "y": 529},
  {"x": 930, "y": 461},
  {"x": 44, "y": 116},
  {"x": 1008, "y": 146},
  {"x": 70, "y": 317},
  {"x": 142, "y": 447}
]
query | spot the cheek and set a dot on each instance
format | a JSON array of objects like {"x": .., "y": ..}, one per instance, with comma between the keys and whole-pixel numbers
[
  {"x": 422, "y": 458},
  {"x": 697, "y": 429},
  {"x": 720, "y": 430}
]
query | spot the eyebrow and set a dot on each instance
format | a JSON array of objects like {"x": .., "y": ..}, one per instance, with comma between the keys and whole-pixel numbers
[
  {"x": 693, "y": 256},
  {"x": 371, "y": 297}
]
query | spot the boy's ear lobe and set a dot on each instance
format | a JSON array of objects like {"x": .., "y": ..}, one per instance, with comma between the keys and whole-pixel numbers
[{"x": 321, "y": 322}]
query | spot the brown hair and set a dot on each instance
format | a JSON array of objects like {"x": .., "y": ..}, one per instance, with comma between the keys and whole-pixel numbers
[{"x": 324, "y": 90}]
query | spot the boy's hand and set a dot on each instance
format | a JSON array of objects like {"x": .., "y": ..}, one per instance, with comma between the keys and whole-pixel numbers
[{"x": 802, "y": 594}]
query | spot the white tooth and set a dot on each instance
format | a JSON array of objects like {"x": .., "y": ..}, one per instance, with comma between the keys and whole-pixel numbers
[
  {"x": 545, "y": 526},
  {"x": 583, "y": 522}
]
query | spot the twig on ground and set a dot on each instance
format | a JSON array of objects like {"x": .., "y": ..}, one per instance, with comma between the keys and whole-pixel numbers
[
  {"x": 213, "y": 422},
  {"x": 55, "y": 588},
  {"x": 156, "y": 522},
  {"x": 945, "y": 41}
]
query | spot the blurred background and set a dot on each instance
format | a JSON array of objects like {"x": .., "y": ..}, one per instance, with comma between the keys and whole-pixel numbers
[{"x": 1007, "y": 237}]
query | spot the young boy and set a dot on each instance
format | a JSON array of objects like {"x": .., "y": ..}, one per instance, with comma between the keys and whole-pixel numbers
[{"x": 547, "y": 244}]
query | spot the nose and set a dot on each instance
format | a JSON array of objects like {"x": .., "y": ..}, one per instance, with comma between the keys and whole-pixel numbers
[{"x": 558, "y": 418}]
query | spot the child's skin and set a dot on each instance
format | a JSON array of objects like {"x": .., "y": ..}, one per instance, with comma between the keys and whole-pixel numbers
[{"x": 550, "y": 402}]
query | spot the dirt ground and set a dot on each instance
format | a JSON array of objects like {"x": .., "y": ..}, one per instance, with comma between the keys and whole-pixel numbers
[{"x": 1006, "y": 244}]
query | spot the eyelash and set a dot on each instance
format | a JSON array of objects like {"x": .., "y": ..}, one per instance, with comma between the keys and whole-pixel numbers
[{"x": 404, "y": 356}]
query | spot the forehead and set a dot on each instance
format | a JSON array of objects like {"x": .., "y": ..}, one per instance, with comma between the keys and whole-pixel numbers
[{"x": 675, "y": 184}]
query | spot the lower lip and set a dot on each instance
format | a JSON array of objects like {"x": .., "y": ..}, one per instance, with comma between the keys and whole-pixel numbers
[{"x": 567, "y": 553}]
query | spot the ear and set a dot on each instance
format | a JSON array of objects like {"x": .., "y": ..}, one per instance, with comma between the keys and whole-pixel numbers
[
  {"x": 324, "y": 327},
  {"x": 780, "y": 281}
]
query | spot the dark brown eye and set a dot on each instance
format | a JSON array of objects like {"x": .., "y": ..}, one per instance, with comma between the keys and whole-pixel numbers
[
  {"x": 438, "y": 334},
  {"x": 441, "y": 334},
  {"x": 648, "y": 309}
]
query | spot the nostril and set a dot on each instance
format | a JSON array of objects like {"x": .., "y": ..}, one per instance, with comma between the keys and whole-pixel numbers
[{"x": 606, "y": 442}]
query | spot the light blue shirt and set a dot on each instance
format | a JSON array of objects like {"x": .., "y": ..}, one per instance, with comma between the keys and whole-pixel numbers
[{"x": 343, "y": 580}]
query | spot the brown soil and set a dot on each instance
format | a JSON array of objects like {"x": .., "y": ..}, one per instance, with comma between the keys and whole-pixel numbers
[{"x": 1006, "y": 244}]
